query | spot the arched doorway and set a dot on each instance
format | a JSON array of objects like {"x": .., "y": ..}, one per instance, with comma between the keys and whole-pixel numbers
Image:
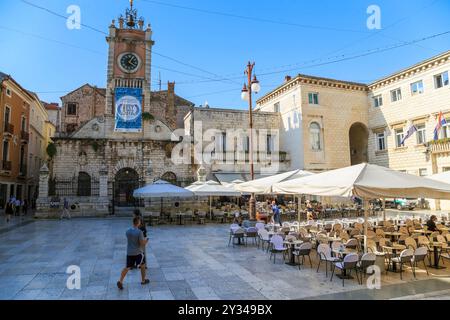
[
  {"x": 125, "y": 182},
  {"x": 170, "y": 177},
  {"x": 359, "y": 140}
]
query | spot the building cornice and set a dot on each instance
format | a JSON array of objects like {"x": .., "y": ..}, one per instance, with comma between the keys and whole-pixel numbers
[
  {"x": 411, "y": 71},
  {"x": 311, "y": 80}
]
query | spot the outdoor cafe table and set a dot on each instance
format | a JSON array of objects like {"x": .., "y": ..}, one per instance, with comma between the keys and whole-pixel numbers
[
  {"x": 341, "y": 254},
  {"x": 394, "y": 248},
  {"x": 394, "y": 235},
  {"x": 291, "y": 245},
  {"x": 422, "y": 231},
  {"x": 436, "y": 246}
]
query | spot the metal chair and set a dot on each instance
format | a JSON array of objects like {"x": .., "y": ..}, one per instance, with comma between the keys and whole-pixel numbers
[
  {"x": 347, "y": 265},
  {"x": 406, "y": 256},
  {"x": 303, "y": 250}
]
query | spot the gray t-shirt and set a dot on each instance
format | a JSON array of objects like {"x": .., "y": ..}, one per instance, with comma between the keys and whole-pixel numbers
[{"x": 134, "y": 237}]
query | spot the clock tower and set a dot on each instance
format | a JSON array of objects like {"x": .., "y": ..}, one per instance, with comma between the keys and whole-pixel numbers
[{"x": 129, "y": 60}]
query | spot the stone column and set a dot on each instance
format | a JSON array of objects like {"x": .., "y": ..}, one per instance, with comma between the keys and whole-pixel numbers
[
  {"x": 43, "y": 201},
  {"x": 103, "y": 201}
]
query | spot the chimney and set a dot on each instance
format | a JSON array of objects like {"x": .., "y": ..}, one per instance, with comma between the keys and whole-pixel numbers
[
  {"x": 287, "y": 78},
  {"x": 171, "y": 113}
]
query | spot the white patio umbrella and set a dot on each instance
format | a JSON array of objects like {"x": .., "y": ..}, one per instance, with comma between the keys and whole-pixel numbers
[
  {"x": 367, "y": 182},
  {"x": 162, "y": 189},
  {"x": 265, "y": 185},
  {"x": 212, "y": 189}
]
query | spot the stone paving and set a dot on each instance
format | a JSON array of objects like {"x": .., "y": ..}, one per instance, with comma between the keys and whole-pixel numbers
[{"x": 185, "y": 262}]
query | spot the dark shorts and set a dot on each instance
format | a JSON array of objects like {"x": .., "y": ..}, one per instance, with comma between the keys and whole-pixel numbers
[{"x": 133, "y": 261}]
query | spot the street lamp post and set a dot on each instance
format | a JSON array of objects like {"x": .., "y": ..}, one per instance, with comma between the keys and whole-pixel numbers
[{"x": 251, "y": 86}]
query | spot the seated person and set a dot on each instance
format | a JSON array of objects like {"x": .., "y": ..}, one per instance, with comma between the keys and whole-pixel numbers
[{"x": 431, "y": 224}]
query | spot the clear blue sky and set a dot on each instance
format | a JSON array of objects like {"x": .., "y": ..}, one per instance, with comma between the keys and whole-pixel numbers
[{"x": 50, "y": 59}]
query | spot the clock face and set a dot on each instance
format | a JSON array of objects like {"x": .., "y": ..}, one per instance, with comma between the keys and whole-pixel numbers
[{"x": 129, "y": 62}]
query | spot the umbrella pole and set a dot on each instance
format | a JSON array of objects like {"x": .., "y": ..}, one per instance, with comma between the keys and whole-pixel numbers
[
  {"x": 366, "y": 214},
  {"x": 210, "y": 208},
  {"x": 384, "y": 209},
  {"x": 299, "y": 205},
  {"x": 161, "y": 207}
]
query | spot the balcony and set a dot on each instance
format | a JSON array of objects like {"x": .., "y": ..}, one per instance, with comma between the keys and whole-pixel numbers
[
  {"x": 439, "y": 146},
  {"x": 24, "y": 136},
  {"x": 6, "y": 165},
  {"x": 9, "y": 128}
]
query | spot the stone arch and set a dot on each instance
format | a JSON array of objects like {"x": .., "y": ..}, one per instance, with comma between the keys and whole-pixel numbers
[
  {"x": 170, "y": 177},
  {"x": 123, "y": 164},
  {"x": 359, "y": 143}
]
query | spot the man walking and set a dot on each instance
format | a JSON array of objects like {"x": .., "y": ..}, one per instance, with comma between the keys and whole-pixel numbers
[
  {"x": 276, "y": 213},
  {"x": 65, "y": 210},
  {"x": 135, "y": 252}
]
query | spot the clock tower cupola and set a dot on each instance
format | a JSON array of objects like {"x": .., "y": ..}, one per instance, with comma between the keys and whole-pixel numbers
[{"x": 129, "y": 57}]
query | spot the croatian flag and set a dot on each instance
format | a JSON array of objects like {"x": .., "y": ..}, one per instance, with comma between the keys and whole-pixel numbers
[
  {"x": 409, "y": 134},
  {"x": 441, "y": 122}
]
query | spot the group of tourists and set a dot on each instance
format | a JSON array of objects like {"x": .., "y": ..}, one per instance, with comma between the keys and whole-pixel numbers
[{"x": 15, "y": 207}]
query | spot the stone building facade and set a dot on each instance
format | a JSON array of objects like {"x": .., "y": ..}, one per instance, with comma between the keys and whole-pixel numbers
[
  {"x": 323, "y": 122},
  {"x": 15, "y": 102},
  {"x": 309, "y": 123},
  {"x": 412, "y": 97},
  {"x": 80, "y": 106}
]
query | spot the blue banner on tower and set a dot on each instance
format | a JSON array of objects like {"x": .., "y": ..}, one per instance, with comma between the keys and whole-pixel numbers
[{"x": 128, "y": 110}]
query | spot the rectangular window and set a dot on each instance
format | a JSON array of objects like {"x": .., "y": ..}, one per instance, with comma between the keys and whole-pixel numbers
[
  {"x": 72, "y": 109},
  {"x": 7, "y": 117},
  {"x": 269, "y": 143},
  {"x": 313, "y": 98},
  {"x": 378, "y": 101},
  {"x": 441, "y": 80},
  {"x": 5, "y": 151},
  {"x": 276, "y": 107},
  {"x": 381, "y": 141},
  {"x": 399, "y": 138},
  {"x": 396, "y": 95},
  {"x": 8, "y": 92},
  {"x": 421, "y": 134},
  {"x": 445, "y": 169},
  {"x": 224, "y": 142},
  {"x": 423, "y": 172},
  {"x": 417, "y": 88}
]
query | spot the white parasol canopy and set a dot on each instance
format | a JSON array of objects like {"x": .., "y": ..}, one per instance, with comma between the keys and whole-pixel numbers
[
  {"x": 265, "y": 185},
  {"x": 366, "y": 181},
  {"x": 212, "y": 189},
  {"x": 162, "y": 189}
]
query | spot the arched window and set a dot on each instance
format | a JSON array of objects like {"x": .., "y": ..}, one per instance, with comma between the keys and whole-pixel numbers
[
  {"x": 315, "y": 136},
  {"x": 84, "y": 185}
]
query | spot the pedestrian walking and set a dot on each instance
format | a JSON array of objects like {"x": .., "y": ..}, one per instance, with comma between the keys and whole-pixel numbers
[
  {"x": 143, "y": 228},
  {"x": 17, "y": 207},
  {"x": 135, "y": 252},
  {"x": 276, "y": 213},
  {"x": 25, "y": 207},
  {"x": 9, "y": 211},
  {"x": 65, "y": 210}
]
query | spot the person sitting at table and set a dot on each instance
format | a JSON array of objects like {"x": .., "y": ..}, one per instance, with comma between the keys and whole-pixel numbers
[
  {"x": 309, "y": 211},
  {"x": 431, "y": 224}
]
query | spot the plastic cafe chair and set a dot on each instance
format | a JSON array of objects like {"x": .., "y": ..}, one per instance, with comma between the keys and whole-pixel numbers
[
  {"x": 251, "y": 233},
  {"x": 410, "y": 243},
  {"x": 367, "y": 260},
  {"x": 419, "y": 256},
  {"x": 324, "y": 254},
  {"x": 406, "y": 256},
  {"x": 303, "y": 250},
  {"x": 277, "y": 247},
  {"x": 348, "y": 265},
  {"x": 264, "y": 238},
  {"x": 351, "y": 244}
]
